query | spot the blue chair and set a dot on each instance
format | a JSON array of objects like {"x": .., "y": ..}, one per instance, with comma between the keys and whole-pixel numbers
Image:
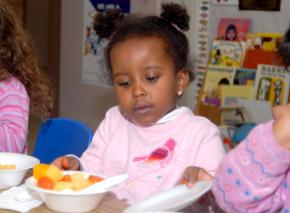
[{"x": 61, "y": 136}]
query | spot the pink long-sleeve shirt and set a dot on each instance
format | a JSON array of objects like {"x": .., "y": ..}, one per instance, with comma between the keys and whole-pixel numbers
[
  {"x": 154, "y": 157},
  {"x": 255, "y": 176},
  {"x": 14, "y": 111}
]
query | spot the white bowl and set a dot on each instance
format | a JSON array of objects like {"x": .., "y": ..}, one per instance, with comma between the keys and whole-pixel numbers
[
  {"x": 67, "y": 200},
  {"x": 23, "y": 163}
]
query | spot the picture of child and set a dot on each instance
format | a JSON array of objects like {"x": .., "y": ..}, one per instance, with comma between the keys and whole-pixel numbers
[
  {"x": 231, "y": 33},
  {"x": 233, "y": 29}
]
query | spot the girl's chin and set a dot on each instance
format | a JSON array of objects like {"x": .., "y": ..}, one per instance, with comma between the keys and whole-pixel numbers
[
  {"x": 142, "y": 123},
  {"x": 138, "y": 122}
]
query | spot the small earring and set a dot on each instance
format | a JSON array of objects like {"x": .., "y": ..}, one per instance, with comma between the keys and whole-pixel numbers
[{"x": 179, "y": 93}]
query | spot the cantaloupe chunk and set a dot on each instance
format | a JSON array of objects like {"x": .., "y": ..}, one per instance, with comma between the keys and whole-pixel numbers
[
  {"x": 45, "y": 182},
  {"x": 54, "y": 173},
  {"x": 39, "y": 170}
]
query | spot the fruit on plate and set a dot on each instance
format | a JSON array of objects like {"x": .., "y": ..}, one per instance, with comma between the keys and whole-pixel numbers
[
  {"x": 95, "y": 179},
  {"x": 39, "y": 170},
  {"x": 52, "y": 178},
  {"x": 62, "y": 185},
  {"x": 79, "y": 181},
  {"x": 45, "y": 182},
  {"x": 7, "y": 166},
  {"x": 66, "y": 178},
  {"x": 54, "y": 173}
]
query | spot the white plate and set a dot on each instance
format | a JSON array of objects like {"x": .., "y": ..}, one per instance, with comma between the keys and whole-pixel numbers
[{"x": 174, "y": 199}]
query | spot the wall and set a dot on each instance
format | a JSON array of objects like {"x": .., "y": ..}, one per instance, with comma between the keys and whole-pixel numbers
[{"x": 38, "y": 27}]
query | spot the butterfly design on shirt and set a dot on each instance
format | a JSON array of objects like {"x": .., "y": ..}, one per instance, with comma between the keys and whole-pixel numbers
[{"x": 161, "y": 155}]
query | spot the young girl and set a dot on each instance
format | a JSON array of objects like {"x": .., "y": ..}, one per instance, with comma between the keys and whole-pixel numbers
[
  {"x": 21, "y": 83},
  {"x": 148, "y": 136},
  {"x": 231, "y": 33},
  {"x": 255, "y": 176}
]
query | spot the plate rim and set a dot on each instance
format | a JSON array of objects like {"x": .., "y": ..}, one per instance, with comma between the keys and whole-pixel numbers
[{"x": 207, "y": 187}]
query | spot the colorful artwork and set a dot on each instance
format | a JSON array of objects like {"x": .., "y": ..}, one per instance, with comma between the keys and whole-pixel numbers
[
  {"x": 227, "y": 53},
  {"x": 233, "y": 29},
  {"x": 94, "y": 68}
]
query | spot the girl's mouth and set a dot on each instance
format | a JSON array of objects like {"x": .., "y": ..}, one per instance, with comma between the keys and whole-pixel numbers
[{"x": 145, "y": 109}]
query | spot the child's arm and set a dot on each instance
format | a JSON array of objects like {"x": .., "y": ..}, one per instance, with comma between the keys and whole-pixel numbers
[
  {"x": 14, "y": 112},
  {"x": 281, "y": 127},
  {"x": 93, "y": 158},
  {"x": 253, "y": 176}
]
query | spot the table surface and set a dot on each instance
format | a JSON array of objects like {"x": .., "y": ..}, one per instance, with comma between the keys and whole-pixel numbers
[{"x": 109, "y": 204}]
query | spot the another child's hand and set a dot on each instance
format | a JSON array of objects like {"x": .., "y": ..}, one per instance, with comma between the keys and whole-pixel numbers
[
  {"x": 281, "y": 125},
  {"x": 193, "y": 174},
  {"x": 67, "y": 163}
]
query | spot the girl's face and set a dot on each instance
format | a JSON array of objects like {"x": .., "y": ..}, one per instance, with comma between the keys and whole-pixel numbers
[
  {"x": 231, "y": 35},
  {"x": 145, "y": 80}
]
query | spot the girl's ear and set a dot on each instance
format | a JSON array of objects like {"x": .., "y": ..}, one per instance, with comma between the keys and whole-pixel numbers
[{"x": 182, "y": 81}]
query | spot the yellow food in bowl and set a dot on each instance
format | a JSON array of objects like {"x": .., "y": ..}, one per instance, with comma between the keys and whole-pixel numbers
[{"x": 7, "y": 166}]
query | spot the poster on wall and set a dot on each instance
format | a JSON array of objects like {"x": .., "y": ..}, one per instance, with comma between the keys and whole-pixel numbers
[
  {"x": 94, "y": 68},
  {"x": 266, "y": 5}
]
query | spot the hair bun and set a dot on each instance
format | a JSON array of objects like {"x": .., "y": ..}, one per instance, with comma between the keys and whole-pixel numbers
[
  {"x": 106, "y": 22},
  {"x": 284, "y": 48},
  {"x": 175, "y": 14}
]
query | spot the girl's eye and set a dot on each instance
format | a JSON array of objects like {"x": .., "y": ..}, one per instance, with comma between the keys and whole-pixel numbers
[
  {"x": 152, "y": 78},
  {"x": 124, "y": 83}
]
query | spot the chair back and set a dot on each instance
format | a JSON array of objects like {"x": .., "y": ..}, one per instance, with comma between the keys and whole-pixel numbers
[{"x": 61, "y": 136}]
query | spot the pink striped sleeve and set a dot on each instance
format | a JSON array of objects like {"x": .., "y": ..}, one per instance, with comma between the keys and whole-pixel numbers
[{"x": 14, "y": 111}]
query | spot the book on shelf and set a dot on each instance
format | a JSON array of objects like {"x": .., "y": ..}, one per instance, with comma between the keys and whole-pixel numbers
[
  {"x": 264, "y": 41},
  {"x": 215, "y": 77},
  {"x": 272, "y": 84},
  {"x": 230, "y": 94},
  {"x": 233, "y": 29},
  {"x": 246, "y": 111},
  {"x": 254, "y": 57},
  {"x": 227, "y": 53},
  {"x": 244, "y": 76}
]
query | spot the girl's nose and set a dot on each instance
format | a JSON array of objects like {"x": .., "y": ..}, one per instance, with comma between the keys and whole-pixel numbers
[{"x": 138, "y": 91}]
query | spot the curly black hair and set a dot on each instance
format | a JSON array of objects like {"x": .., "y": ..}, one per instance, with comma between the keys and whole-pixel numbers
[
  {"x": 284, "y": 48},
  {"x": 169, "y": 26}
]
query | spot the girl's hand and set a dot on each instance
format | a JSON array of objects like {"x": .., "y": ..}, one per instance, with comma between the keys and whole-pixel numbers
[
  {"x": 66, "y": 163},
  {"x": 281, "y": 125},
  {"x": 193, "y": 174}
]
